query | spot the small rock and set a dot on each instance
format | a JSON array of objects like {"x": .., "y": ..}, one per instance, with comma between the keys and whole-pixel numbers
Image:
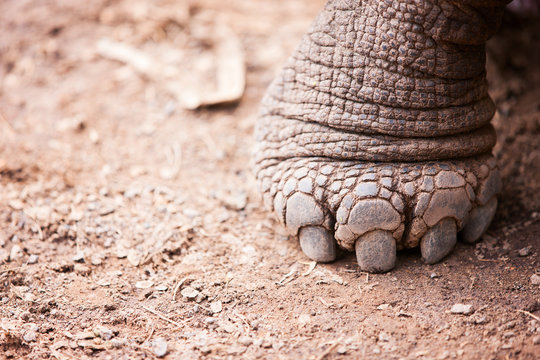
[
  {"x": 384, "y": 337},
  {"x": 15, "y": 253},
  {"x": 191, "y": 213},
  {"x": 216, "y": 306},
  {"x": 32, "y": 259},
  {"x": 160, "y": 347},
  {"x": 267, "y": 343},
  {"x": 144, "y": 284},
  {"x": 480, "y": 320},
  {"x": 82, "y": 269},
  {"x": 383, "y": 307},
  {"x": 79, "y": 257},
  {"x": 134, "y": 257},
  {"x": 462, "y": 309},
  {"x": 104, "y": 282},
  {"x": 29, "y": 336},
  {"x": 161, "y": 287},
  {"x": 536, "y": 340},
  {"x": 525, "y": 251},
  {"x": 189, "y": 293},
  {"x": 433, "y": 275},
  {"x": 245, "y": 340},
  {"x": 342, "y": 350},
  {"x": 535, "y": 279},
  {"x": 121, "y": 253},
  {"x": 509, "y": 334},
  {"x": 4, "y": 256},
  {"x": 96, "y": 260},
  {"x": 304, "y": 319},
  {"x": 104, "y": 333}
]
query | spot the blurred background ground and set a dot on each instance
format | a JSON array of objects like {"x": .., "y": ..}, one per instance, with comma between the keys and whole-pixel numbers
[{"x": 130, "y": 225}]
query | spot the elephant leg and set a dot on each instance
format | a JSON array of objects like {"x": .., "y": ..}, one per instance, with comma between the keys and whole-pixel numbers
[{"x": 375, "y": 136}]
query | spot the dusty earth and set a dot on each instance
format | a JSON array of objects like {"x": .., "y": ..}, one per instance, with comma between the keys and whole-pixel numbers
[{"x": 131, "y": 228}]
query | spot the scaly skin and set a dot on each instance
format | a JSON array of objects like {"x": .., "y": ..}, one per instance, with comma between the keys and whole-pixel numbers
[{"x": 376, "y": 134}]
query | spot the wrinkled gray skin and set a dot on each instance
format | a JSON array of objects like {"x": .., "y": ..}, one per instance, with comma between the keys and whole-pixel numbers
[{"x": 376, "y": 137}]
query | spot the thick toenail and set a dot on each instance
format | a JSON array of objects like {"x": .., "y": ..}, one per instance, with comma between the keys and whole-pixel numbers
[
  {"x": 479, "y": 220},
  {"x": 439, "y": 241},
  {"x": 376, "y": 251},
  {"x": 318, "y": 243}
]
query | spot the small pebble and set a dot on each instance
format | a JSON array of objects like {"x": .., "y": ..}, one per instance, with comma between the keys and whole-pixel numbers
[
  {"x": 144, "y": 284},
  {"x": 462, "y": 309},
  {"x": 96, "y": 260},
  {"x": 535, "y": 279},
  {"x": 104, "y": 333},
  {"x": 32, "y": 259},
  {"x": 536, "y": 340},
  {"x": 160, "y": 347},
  {"x": 161, "y": 287},
  {"x": 433, "y": 275},
  {"x": 216, "y": 306},
  {"x": 29, "y": 336},
  {"x": 525, "y": 251},
  {"x": 82, "y": 269},
  {"x": 15, "y": 253},
  {"x": 79, "y": 257},
  {"x": 189, "y": 293},
  {"x": 245, "y": 340},
  {"x": 384, "y": 337}
]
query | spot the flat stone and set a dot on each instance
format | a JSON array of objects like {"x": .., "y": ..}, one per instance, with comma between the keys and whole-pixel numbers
[
  {"x": 160, "y": 347},
  {"x": 535, "y": 279},
  {"x": 462, "y": 309}
]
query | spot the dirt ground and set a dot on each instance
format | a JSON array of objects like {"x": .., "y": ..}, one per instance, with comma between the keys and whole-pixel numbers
[{"x": 131, "y": 227}]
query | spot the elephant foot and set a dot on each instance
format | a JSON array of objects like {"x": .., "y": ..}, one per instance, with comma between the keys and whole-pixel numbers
[{"x": 376, "y": 209}]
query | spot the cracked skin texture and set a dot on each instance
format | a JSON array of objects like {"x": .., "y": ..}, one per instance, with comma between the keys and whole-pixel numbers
[{"x": 375, "y": 136}]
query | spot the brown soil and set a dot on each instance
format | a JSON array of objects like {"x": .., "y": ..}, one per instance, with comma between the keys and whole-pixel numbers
[{"x": 148, "y": 228}]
